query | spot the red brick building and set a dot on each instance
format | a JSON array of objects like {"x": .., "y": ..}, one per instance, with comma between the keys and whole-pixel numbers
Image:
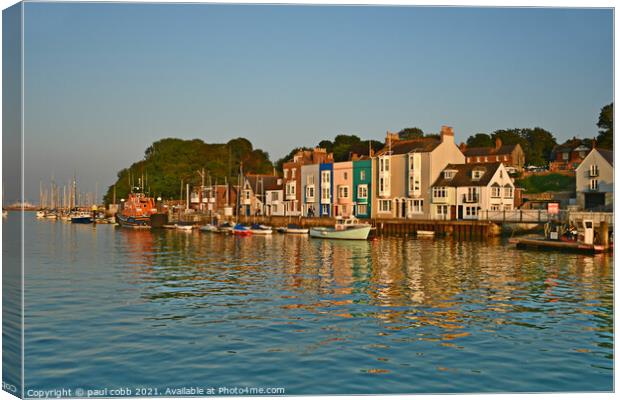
[
  {"x": 511, "y": 155},
  {"x": 568, "y": 155}
]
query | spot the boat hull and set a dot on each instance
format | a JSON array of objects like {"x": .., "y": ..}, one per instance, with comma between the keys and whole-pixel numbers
[
  {"x": 360, "y": 233},
  {"x": 133, "y": 222},
  {"x": 81, "y": 220}
]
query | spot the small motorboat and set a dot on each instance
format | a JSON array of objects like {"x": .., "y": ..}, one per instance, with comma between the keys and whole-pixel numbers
[
  {"x": 261, "y": 229},
  {"x": 349, "y": 229},
  {"x": 208, "y": 228},
  {"x": 51, "y": 215},
  {"x": 184, "y": 226},
  {"x": 242, "y": 230},
  {"x": 40, "y": 214},
  {"x": 296, "y": 229},
  {"x": 81, "y": 218},
  {"x": 226, "y": 227},
  {"x": 169, "y": 226},
  {"x": 425, "y": 233}
]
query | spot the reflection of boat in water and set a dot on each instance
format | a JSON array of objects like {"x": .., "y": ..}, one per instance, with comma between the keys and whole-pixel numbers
[
  {"x": 349, "y": 229},
  {"x": 294, "y": 229},
  {"x": 261, "y": 229},
  {"x": 184, "y": 226}
]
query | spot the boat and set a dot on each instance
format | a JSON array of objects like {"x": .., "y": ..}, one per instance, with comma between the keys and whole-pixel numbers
[
  {"x": 137, "y": 211},
  {"x": 226, "y": 227},
  {"x": 169, "y": 226},
  {"x": 425, "y": 233},
  {"x": 185, "y": 226},
  {"x": 294, "y": 229},
  {"x": 349, "y": 229},
  {"x": 261, "y": 229},
  {"x": 40, "y": 214},
  {"x": 5, "y": 213},
  {"x": 241, "y": 230},
  {"x": 81, "y": 217},
  {"x": 51, "y": 215},
  {"x": 66, "y": 217},
  {"x": 209, "y": 228}
]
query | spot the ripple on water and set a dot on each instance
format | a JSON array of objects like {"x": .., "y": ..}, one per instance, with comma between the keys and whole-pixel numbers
[{"x": 108, "y": 306}]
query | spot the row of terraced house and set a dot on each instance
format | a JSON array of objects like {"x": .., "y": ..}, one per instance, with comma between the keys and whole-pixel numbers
[{"x": 425, "y": 178}]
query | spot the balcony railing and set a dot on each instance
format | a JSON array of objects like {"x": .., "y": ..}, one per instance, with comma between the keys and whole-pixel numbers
[{"x": 473, "y": 198}]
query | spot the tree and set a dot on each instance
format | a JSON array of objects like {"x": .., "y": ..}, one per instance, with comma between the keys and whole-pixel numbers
[
  {"x": 605, "y": 139},
  {"x": 537, "y": 143},
  {"x": 288, "y": 157},
  {"x": 411, "y": 133},
  {"x": 480, "y": 140}
]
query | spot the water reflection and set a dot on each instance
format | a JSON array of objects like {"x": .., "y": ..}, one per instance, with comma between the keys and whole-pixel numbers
[{"x": 424, "y": 315}]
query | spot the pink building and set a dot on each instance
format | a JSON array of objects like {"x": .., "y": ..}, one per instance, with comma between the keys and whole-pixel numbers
[{"x": 343, "y": 189}]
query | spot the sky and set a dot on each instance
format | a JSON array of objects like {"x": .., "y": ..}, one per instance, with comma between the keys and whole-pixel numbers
[{"x": 103, "y": 81}]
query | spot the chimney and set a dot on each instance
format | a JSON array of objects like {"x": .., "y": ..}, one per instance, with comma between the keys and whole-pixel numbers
[
  {"x": 498, "y": 143},
  {"x": 447, "y": 133},
  {"x": 275, "y": 173},
  {"x": 371, "y": 152},
  {"x": 462, "y": 147},
  {"x": 390, "y": 136},
  {"x": 593, "y": 143}
]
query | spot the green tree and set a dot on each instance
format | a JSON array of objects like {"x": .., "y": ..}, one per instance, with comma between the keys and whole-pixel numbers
[
  {"x": 288, "y": 157},
  {"x": 411, "y": 133},
  {"x": 605, "y": 138},
  {"x": 480, "y": 140}
]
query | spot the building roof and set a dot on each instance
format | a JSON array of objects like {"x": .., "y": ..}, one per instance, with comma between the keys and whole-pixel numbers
[
  {"x": 463, "y": 176},
  {"x": 568, "y": 146},
  {"x": 488, "y": 151},
  {"x": 264, "y": 182},
  {"x": 421, "y": 145},
  {"x": 607, "y": 155}
]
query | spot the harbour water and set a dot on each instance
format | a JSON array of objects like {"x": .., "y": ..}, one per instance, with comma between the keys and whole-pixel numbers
[{"x": 107, "y": 307}]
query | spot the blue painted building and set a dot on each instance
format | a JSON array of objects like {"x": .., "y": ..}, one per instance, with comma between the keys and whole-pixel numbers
[{"x": 326, "y": 189}]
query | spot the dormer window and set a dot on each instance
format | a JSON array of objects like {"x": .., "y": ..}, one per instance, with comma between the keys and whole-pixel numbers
[
  {"x": 449, "y": 174},
  {"x": 477, "y": 174}
]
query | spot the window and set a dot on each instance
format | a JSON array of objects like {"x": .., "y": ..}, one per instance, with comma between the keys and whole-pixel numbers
[
  {"x": 362, "y": 209},
  {"x": 505, "y": 158},
  {"x": 310, "y": 192},
  {"x": 343, "y": 192},
  {"x": 362, "y": 192},
  {"x": 501, "y": 173},
  {"x": 325, "y": 178},
  {"x": 508, "y": 192},
  {"x": 293, "y": 173},
  {"x": 477, "y": 174},
  {"x": 486, "y": 159},
  {"x": 324, "y": 209},
  {"x": 496, "y": 158},
  {"x": 345, "y": 175},
  {"x": 285, "y": 173},
  {"x": 274, "y": 208},
  {"x": 477, "y": 159},
  {"x": 565, "y": 156},
  {"x": 442, "y": 210},
  {"x": 471, "y": 211},
  {"x": 495, "y": 191},
  {"x": 439, "y": 192},
  {"x": 325, "y": 193},
  {"x": 385, "y": 206},
  {"x": 381, "y": 185},
  {"x": 362, "y": 175},
  {"x": 593, "y": 170},
  {"x": 275, "y": 196},
  {"x": 507, "y": 207},
  {"x": 310, "y": 180},
  {"x": 472, "y": 195},
  {"x": 448, "y": 174},
  {"x": 415, "y": 206},
  {"x": 494, "y": 207},
  {"x": 247, "y": 194},
  {"x": 593, "y": 184},
  {"x": 468, "y": 159}
]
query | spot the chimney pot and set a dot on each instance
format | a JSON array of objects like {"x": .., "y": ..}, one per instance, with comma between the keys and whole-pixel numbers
[
  {"x": 447, "y": 133},
  {"x": 498, "y": 143}
]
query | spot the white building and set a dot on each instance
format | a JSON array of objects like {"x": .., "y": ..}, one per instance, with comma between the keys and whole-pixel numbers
[
  {"x": 464, "y": 191},
  {"x": 595, "y": 180}
]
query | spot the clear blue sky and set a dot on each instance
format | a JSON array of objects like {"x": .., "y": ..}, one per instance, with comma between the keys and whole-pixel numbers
[{"x": 103, "y": 81}]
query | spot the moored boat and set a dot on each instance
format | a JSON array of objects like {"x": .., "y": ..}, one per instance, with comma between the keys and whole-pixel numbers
[
  {"x": 261, "y": 229},
  {"x": 40, "y": 214},
  {"x": 226, "y": 227},
  {"x": 241, "y": 230},
  {"x": 184, "y": 227},
  {"x": 295, "y": 229},
  {"x": 349, "y": 229},
  {"x": 137, "y": 211},
  {"x": 208, "y": 228},
  {"x": 81, "y": 218}
]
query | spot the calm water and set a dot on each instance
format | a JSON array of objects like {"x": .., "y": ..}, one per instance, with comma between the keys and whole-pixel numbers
[{"x": 111, "y": 307}]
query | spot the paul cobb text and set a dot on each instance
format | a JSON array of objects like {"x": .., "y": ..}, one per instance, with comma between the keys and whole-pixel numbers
[{"x": 154, "y": 391}]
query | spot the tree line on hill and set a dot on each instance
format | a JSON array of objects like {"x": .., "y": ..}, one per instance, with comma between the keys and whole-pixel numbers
[{"x": 170, "y": 161}]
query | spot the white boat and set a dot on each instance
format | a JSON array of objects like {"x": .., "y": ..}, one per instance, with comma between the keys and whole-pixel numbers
[
  {"x": 349, "y": 229},
  {"x": 226, "y": 227},
  {"x": 5, "y": 213},
  {"x": 425, "y": 233},
  {"x": 208, "y": 228},
  {"x": 40, "y": 214},
  {"x": 51, "y": 215},
  {"x": 184, "y": 227},
  {"x": 261, "y": 229},
  {"x": 294, "y": 229}
]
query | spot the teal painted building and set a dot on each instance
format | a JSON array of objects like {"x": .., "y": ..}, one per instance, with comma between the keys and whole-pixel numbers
[{"x": 362, "y": 188}]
